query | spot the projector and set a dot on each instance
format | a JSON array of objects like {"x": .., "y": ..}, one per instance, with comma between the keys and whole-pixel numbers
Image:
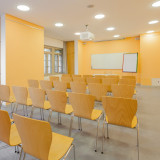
[{"x": 86, "y": 36}]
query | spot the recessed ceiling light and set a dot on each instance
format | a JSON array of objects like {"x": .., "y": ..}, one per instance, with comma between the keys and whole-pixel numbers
[
  {"x": 153, "y": 22},
  {"x": 23, "y": 8},
  {"x": 116, "y": 36},
  {"x": 99, "y": 16},
  {"x": 59, "y": 24},
  {"x": 149, "y": 31},
  {"x": 156, "y": 4},
  {"x": 110, "y": 29},
  {"x": 77, "y": 33}
]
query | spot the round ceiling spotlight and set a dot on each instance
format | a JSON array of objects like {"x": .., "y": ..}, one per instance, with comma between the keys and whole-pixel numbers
[
  {"x": 156, "y": 4},
  {"x": 59, "y": 24},
  {"x": 23, "y": 8},
  {"x": 150, "y": 32},
  {"x": 153, "y": 22},
  {"x": 99, "y": 16},
  {"x": 110, "y": 28},
  {"x": 116, "y": 36},
  {"x": 77, "y": 33}
]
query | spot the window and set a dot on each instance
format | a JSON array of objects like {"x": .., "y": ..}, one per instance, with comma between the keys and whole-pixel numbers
[{"x": 53, "y": 62}]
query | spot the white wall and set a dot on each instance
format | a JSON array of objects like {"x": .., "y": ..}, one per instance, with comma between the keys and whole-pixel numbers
[{"x": 53, "y": 42}]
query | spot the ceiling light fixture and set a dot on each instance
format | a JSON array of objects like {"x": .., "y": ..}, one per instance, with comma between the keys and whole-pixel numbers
[
  {"x": 156, "y": 4},
  {"x": 110, "y": 29},
  {"x": 77, "y": 33},
  {"x": 59, "y": 24},
  {"x": 115, "y": 36},
  {"x": 149, "y": 31},
  {"x": 99, "y": 16},
  {"x": 153, "y": 22},
  {"x": 23, "y": 8}
]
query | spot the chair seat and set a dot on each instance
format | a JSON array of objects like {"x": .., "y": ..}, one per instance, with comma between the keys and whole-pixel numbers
[
  {"x": 134, "y": 121},
  {"x": 68, "y": 109},
  {"x": 14, "y": 136},
  {"x": 29, "y": 102},
  {"x": 96, "y": 114},
  {"x": 47, "y": 105},
  {"x": 59, "y": 146}
]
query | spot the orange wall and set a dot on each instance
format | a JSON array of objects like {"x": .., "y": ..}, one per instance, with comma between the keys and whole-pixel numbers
[
  {"x": 150, "y": 57},
  {"x": 24, "y": 51},
  {"x": 70, "y": 57},
  {"x": 129, "y": 45}
]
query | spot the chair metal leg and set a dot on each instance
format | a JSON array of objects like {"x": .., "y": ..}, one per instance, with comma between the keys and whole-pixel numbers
[
  {"x": 59, "y": 118},
  {"x": 21, "y": 154},
  {"x": 80, "y": 124},
  {"x": 32, "y": 112},
  {"x": 26, "y": 111},
  {"x": 15, "y": 149},
  {"x": 23, "y": 110},
  {"x": 138, "y": 137},
  {"x": 72, "y": 146},
  {"x": 0, "y": 104},
  {"x": 70, "y": 129},
  {"x": 24, "y": 156},
  {"x": 16, "y": 107},
  {"x": 50, "y": 115},
  {"x": 107, "y": 132},
  {"x": 41, "y": 113},
  {"x": 97, "y": 131},
  {"x": 103, "y": 134}
]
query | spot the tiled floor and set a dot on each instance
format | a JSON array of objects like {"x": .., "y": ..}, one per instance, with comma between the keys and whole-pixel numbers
[{"x": 122, "y": 142}]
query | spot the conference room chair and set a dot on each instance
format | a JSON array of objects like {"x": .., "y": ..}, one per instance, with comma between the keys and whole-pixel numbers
[
  {"x": 121, "y": 112},
  {"x": 131, "y": 82},
  {"x": 60, "y": 86},
  {"x": 45, "y": 84},
  {"x": 8, "y": 131},
  {"x": 129, "y": 77},
  {"x": 38, "y": 101},
  {"x": 67, "y": 80},
  {"x": 78, "y": 87},
  {"x": 58, "y": 102},
  {"x": 83, "y": 107},
  {"x": 122, "y": 90},
  {"x": 53, "y": 78},
  {"x": 22, "y": 99},
  {"x": 109, "y": 82},
  {"x": 98, "y": 90},
  {"x": 33, "y": 83},
  {"x": 93, "y": 80},
  {"x": 66, "y": 75},
  {"x": 87, "y": 76},
  {"x": 5, "y": 96},
  {"x": 99, "y": 76},
  {"x": 39, "y": 141},
  {"x": 79, "y": 79},
  {"x": 74, "y": 75}
]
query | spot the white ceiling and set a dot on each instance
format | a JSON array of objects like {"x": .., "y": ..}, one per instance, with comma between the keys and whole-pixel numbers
[{"x": 129, "y": 17}]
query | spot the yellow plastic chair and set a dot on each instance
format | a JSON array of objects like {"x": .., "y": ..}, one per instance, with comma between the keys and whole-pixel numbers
[
  {"x": 121, "y": 112},
  {"x": 93, "y": 80},
  {"x": 38, "y": 101},
  {"x": 109, "y": 82},
  {"x": 66, "y": 75},
  {"x": 67, "y": 80},
  {"x": 58, "y": 101},
  {"x": 8, "y": 132},
  {"x": 122, "y": 90},
  {"x": 78, "y": 87},
  {"x": 98, "y": 90},
  {"x": 45, "y": 85},
  {"x": 33, "y": 83},
  {"x": 6, "y": 97},
  {"x": 83, "y": 107},
  {"x": 74, "y": 76},
  {"x": 79, "y": 79},
  {"x": 129, "y": 77},
  {"x": 39, "y": 141},
  {"x": 87, "y": 76},
  {"x": 21, "y": 95},
  {"x": 126, "y": 81},
  {"x": 100, "y": 76},
  {"x": 53, "y": 78}
]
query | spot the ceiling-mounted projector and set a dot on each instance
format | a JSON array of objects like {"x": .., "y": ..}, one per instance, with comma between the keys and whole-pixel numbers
[{"x": 86, "y": 36}]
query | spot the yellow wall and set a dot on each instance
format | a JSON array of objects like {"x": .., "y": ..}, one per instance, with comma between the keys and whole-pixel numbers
[
  {"x": 24, "y": 51},
  {"x": 70, "y": 57},
  {"x": 117, "y": 46},
  {"x": 150, "y": 57}
]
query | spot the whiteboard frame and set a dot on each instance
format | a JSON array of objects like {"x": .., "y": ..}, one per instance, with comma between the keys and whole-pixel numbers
[{"x": 136, "y": 65}]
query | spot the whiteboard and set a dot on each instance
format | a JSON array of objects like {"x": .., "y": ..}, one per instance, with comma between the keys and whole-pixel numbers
[
  {"x": 107, "y": 61},
  {"x": 130, "y": 62}
]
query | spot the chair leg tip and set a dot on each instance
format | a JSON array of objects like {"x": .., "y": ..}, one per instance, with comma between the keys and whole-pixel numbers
[
  {"x": 95, "y": 150},
  {"x": 107, "y": 137},
  {"x": 101, "y": 152}
]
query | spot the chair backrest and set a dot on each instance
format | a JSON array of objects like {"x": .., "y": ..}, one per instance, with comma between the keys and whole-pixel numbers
[
  {"x": 78, "y": 87},
  {"x": 100, "y": 76},
  {"x": 120, "y": 111},
  {"x": 58, "y": 100},
  {"x": 37, "y": 96},
  {"x": 131, "y": 82},
  {"x": 109, "y": 81},
  {"x": 45, "y": 85},
  {"x": 5, "y": 126},
  {"x": 21, "y": 94},
  {"x": 93, "y": 80},
  {"x": 79, "y": 79},
  {"x": 36, "y": 136},
  {"x": 60, "y": 86},
  {"x": 66, "y": 79},
  {"x": 33, "y": 83},
  {"x": 82, "y": 104},
  {"x": 53, "y": 78},
  {"x": 122, "y": 90},
  {"x": 129, "y": 77},
  {"x": 76, "y": 76},
  {"x": 4, "y": 93},
  {"x": 98, "y": 90},
  {"x": 87, "y": 76}
]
